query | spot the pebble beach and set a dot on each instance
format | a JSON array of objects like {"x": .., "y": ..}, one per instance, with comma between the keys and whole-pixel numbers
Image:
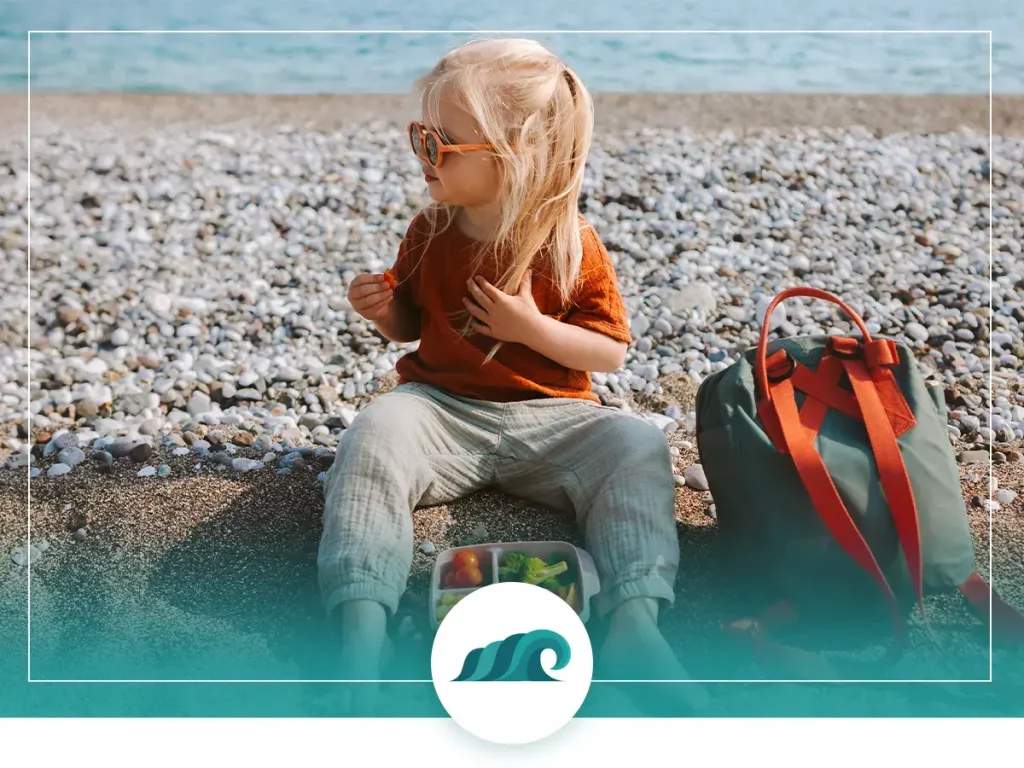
[{"x": 190, "y": 362}]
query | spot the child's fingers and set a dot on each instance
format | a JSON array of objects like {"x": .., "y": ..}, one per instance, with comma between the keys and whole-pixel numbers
[
  {"x": 374, "y": 303},
  {"x": 364, "y": 279},
  {"x": 366, "y": 290},
  {"x": 489, "y": 291},
  {"x": 475, "y": 310},
  {"x": 376, "y": 282},
  {"x": 481, "y": 298}
]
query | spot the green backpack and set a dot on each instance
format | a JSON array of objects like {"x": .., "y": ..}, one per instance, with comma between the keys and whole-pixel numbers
[{"x": 835, "y": 485}]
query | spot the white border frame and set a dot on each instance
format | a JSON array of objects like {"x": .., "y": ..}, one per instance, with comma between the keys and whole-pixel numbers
[{"x": 477, "y": 33}]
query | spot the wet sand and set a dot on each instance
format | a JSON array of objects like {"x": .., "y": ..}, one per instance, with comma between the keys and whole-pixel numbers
[{"x": 701, "y": 113}]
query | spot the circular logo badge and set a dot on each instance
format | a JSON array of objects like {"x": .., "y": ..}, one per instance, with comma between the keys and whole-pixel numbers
[{"x": 512, "y": 663}]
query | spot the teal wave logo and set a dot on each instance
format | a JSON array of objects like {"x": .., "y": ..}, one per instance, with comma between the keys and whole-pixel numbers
[{"x": 516, "y": 658}]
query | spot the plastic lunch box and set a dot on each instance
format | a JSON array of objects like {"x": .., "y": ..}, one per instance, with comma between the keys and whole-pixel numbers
[{"x": 490, "y": 556}]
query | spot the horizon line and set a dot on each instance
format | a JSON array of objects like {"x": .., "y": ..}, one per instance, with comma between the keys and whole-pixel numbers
[
  {"x": 594, "y": 92},
  {"x": 506, "y": 32}
]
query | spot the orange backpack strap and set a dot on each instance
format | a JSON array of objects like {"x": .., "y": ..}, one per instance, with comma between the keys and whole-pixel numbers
[
  {"x": 827, "y": 501},
  {"x": 892, "y": 472},
  {"x": 795, "y": 432}
]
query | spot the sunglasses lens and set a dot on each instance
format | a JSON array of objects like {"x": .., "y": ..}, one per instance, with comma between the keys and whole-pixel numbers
[
  {"x": 433, "y": 151},
  {"x": 414, "y": 139}
]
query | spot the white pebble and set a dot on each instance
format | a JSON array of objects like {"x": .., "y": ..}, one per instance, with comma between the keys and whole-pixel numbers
[
  {"x": 1005, "y": 496},
  {"x": 695, "y": 477},
  {"x": 245, "y": 465}
]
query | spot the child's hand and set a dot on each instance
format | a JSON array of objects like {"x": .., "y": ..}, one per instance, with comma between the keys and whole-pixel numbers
[
  {"x": 371, "y": 296},
  {"x": 500, "y": 315}
]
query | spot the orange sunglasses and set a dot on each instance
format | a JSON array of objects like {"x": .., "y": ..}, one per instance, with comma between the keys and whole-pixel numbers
[{"x": 427, "y": 145}]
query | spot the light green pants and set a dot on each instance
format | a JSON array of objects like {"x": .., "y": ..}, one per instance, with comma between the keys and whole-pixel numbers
[{"x": 419, "y": 446}]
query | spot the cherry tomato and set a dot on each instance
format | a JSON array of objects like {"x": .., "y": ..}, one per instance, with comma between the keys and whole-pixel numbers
[
  {"x": 465, "y": 559},
  {"x": 450, "y": 580},
  {"x": 468, "y": 577}
]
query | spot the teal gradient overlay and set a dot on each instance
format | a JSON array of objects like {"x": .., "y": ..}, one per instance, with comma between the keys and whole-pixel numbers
[{"x": 75, "y": 648}]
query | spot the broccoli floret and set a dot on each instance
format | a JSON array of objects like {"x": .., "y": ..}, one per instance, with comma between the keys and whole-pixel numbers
[
  {"x": 537, "y": 571},
  {"x": 531, "y": 570},
  {"x": 513, "y": 567}
]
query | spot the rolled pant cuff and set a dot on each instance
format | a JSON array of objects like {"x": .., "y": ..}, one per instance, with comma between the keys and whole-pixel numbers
[
  {"x": 606, "y": 601},
  {"x": 377, "y": 591}
]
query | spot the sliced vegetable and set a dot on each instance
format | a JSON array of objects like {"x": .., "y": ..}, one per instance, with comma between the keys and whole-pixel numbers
[
  {"x": 573, "y": 597},
  {"x": 446, "y": 603},
  {"x": 517, "y": 566},
  {"x": 392, "y": 281},
  {"x": 537, "y": 571}
]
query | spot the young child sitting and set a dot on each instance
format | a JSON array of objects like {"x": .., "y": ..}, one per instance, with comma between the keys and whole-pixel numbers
[{"x": 513, "y": 300}]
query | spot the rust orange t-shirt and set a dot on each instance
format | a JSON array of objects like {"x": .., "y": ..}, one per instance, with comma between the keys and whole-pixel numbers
[{"x": 431, "y": 276}]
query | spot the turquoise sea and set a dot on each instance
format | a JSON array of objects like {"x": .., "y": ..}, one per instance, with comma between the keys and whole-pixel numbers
[{"x": 370, "y": 61}]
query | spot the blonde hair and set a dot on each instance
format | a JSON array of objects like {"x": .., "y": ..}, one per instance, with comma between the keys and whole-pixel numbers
[{"x": 539, "y": 118}]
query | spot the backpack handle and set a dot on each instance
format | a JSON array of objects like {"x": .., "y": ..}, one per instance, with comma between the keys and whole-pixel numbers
[{"x": 760, "y": 368}]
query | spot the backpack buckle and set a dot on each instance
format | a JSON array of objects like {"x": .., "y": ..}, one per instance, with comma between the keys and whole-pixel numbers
[
  {"x": 882, "y": 353},
  {"x": 780, "y": 366},
  {"x": 844, "y": 347},
  {"x": 877, "y": 353}
]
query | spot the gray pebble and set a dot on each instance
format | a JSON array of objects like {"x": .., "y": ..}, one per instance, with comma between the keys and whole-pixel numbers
[
  {"x": 428, "y": 548},
  {"x": 141, "y": 453},
  {"x": 64, "y": 441},
  {"x": 71, "y": 456},
  {"x": 695, "y": 477},
  {"x": 973, "y": 457},
  {"x": 104, "y": 461},
  {"x": 120, "y": 448}
]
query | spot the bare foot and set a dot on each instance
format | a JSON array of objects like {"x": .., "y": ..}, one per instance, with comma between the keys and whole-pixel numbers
[
  {"x": 635, "y": 649},
  {"x": 365, "y": 651}
]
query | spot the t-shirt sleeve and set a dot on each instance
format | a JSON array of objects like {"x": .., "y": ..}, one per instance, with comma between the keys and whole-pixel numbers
[
  {"x": 404, "y": 271},
  {"x": 598, "y": 304}
]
